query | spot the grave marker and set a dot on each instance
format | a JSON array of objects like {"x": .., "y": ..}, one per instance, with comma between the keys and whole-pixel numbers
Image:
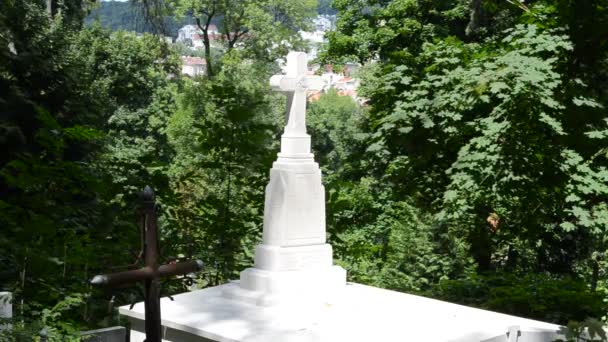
[
  {"x": 151, "y": 273},
  {"x": 293, "y": 262}
]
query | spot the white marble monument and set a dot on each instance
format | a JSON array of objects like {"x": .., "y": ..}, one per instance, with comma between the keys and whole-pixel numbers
[
  {"x": 293, "y": 262},
  {"x": 294, "y": 293}
]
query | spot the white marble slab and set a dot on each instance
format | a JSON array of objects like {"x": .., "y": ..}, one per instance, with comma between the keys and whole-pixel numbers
[{"x": 358, "y": 314}]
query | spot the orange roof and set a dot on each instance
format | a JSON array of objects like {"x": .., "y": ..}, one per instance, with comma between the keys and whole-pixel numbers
[
  {"x": 347, "y": 93},
  {"x": 193, "y": 61},
  {"x": 212, "y": 36},
  {"x": 314, "y": 95}
]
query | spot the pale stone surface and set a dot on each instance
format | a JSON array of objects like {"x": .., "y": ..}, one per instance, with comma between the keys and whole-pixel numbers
[
  {"x": 6, "y": 308},
  {"x": 6, "y": 304},
  {"x": 296, "y": 83},
  {"x": 293, "y": 262},
  {"x": 517, "y": 334},
  {"x": 111, "y": 334},
  {"x": 356, "y": 314}
]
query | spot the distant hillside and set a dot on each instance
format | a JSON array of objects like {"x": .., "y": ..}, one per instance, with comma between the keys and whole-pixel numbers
[
  {"x": 118, "y": 15},
  {"x": 324, "y": 7}
]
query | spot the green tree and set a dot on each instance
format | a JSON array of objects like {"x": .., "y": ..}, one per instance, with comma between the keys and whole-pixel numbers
[
  {"x": 225, "y": 134},
  {"x": 334, "y": 122},
  {"x": 486, "y": 117},
  {"x": 49, "y": 187},
  {"x": 130, "y": 16},
  {"x": 135, "y": 76},
  {"x": 82, "y": 127},
  {"x": 265, "y": 29}
]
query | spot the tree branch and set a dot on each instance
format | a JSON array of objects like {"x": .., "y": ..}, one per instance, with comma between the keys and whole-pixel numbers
[{"x": 206, "y": 43}]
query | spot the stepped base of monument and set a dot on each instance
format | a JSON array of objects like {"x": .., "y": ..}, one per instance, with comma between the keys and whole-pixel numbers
[
  {"x": 270, "y": 288},
  {"x": 293, "y": 258}
]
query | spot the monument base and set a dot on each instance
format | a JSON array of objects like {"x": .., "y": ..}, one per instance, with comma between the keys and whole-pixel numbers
[
  {"x": 288, "y": 274},
  {"x": 293, "y": 258},
  {"x": 357, "y": 313},
  {"x": 270, "y": 288}
]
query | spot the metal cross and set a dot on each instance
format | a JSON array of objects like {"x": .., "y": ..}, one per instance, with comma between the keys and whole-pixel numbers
[
  {"x": 151, "y": 273},
  {"x": 296, "y": 83}
]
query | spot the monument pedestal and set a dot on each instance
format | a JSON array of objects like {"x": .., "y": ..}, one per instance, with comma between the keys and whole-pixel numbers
[
  {"x": 269, "y": 288},
  {"x": 293, "y": 263}
]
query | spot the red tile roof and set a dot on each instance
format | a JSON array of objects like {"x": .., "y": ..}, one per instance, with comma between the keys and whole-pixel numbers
[
  {"x": 350, "y": 93},
  {"x": 314, "y": 95},
  {"x": 212, "y": 36},
  {"x": 193, "y": 61}
]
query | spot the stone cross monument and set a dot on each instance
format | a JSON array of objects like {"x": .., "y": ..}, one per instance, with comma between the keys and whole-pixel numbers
[
  {"x": 294, "y": 292},
  {"x": 293, "y": 262}
]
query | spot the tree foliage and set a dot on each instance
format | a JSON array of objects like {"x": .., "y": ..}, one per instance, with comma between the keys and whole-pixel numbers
[
  {"x": 264, "y": 30},
  {"x": 50, "y": 189},
  {"x": 485, "y": 117},
  {"x": 224, "y": 134},
  {"x": 82, "y": 127},
  {"x": 476, "y": 171},
  {"x": 130, "y": 16}
]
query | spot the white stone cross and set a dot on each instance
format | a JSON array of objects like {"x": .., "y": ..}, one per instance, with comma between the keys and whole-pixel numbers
[{"x": 296, "y": 83}]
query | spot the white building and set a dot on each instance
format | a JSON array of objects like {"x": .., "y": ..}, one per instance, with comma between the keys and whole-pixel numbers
[
  {"x": 330, "y": 78},
  {"x": 197, "y": 41},
  {"x": 324, "y": 23},
  {"x": 346, "y": 83},
  {"x": 315, "y": 40},
  {"x": 192, "y": 35},
  {"x": 193, "y": 66},
  {"x": 347, "y": 86},
  {"x": 186, "y": 33}
]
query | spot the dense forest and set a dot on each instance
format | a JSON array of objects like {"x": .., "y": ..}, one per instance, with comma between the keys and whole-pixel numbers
[{"x": 476, "y": 171}]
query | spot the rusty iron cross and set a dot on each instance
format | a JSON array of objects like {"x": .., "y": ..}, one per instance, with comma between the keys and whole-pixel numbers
[{"x": 152, "y": 272}]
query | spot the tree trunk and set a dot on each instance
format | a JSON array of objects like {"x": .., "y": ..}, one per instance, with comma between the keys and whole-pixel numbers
[
  {"x": 49, "y": 8},
  {"x": 234, "y": 39},
  {"x": 206, "y": 43},
  {"x": 511, "y": 259},
  {"x": 595, "y": 274},
  {"x": 475, "y": 17},
  {"x": 481, "y": 242}
]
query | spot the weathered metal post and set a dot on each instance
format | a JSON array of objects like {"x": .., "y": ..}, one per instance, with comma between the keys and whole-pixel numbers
[
  {"x": 151, "y": 252},
  {"x": 151, "y": 272}
]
